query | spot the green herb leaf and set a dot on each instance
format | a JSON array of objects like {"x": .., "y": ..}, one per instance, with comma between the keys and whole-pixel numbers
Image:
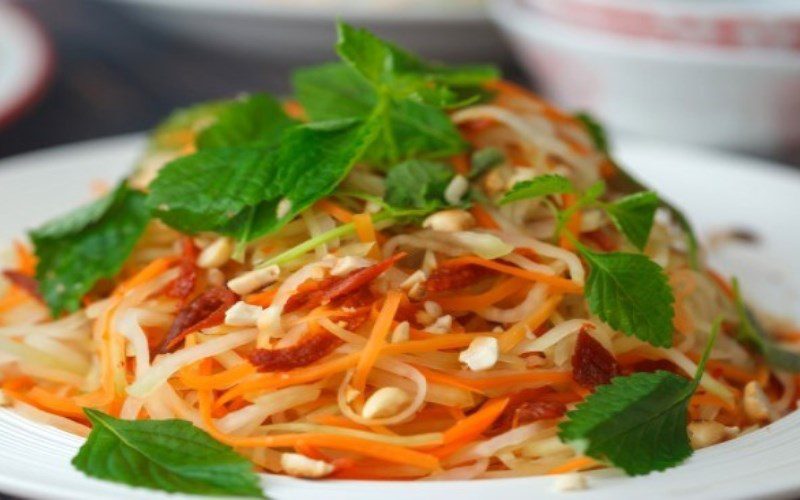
[
  {"x": 633, "y": 215},
  {"x": 77, "y": 250},
  {"x": 171, "y": 134},
  {"x": 624, "y": 182},
  {"x": 418, "y": 184},
  {"x": 383, "y": 63},
  {"x": 206, "y": 190},
  {"x": 236, "y": 191},
  {"x": 484, "y": 160},
  {"x": 253, "y": 120},
  {"x": 631, "y": 293},
  {"x": 752, "y": 333},
  {"x": 595, "y": 130},
  {"x": 637, "y": 422},
  {"x": 543, "y": 185},
  {"x": 409, "y": 129},
  {"x": 166, "y": 455}
]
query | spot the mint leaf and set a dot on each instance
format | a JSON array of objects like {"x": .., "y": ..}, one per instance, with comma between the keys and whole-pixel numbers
[
  {"x": 752, "y": 333},
  {"x": 253, "y": 120},
  {"x": 418, "y": 184},
  {"x": 167, "y": 455},
  {"x": 236, "y": 191},
  {"x": 543, "y": 185},
  {"x": 624, "y": 182},
  {"x": 204, "y": 191},
  {"x": 595, "y": 130},
  {"x": 633, "y": 215},
  {"x": 314, "y": 158},
  {"x": 637, "y": 422},
  {"x": 483, "y": 160},
  {"x": 409, "y": 129},
  {"x": 77, "y": 250},
  {"x": 631, "y": 293},
  {"x": 383, "y": 63}
]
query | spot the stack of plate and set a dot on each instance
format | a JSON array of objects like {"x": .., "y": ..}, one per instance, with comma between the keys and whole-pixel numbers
[{"x": 711, "y": 72}]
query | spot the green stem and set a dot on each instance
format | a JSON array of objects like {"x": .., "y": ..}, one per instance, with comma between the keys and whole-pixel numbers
[{"x": 337, "y": 232}]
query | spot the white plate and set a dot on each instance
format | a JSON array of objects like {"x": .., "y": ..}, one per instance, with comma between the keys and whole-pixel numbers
[
  {"x": 717, "y": 190},
  {"x": 292, "y": 29},
  {"x": 26, "y": 62}
]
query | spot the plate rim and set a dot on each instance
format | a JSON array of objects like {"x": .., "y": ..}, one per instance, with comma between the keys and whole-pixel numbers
[{"x": 14, "y": 164}]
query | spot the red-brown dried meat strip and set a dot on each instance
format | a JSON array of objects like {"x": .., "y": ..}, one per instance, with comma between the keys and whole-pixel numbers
[
  {"x": 24, "y": 282},
  {"x": 206, "y": 310},
  {"x": 450, "y": 278},
  {"x": 307, "y": 350},
  {"x": 592, "y": 364}
]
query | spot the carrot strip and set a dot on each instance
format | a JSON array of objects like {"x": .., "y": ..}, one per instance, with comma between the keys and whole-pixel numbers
[
  {"x": 446, "y": 379},
  {"x": 54, "y": 403},
  {"x": 335, "y": 210},
  {"x": 556, "y": 282},
  {"x": 365, "y": 231},
  {"x": 337, "y": 421},
  {"x": 509, "y": 379},
  {"x": 298, "y": 376},
  {"x": 722, "y": 283},
  {"x": 377, "y": 339},
  {"x": 461, "y": 164},
  {"x": 483, "y": 218},
  {"x": 12, "y": 298},
  {"x": 514, "y": 335},
  {"x": 147, "y": 273},
  {"x": 26, "y": 261},
  {"x": 501, "y": 290},
  {"x": 474, "y": 425},
  {"x": 383, "y": 451},
  {"x": 509, "y": 89},
  {"x": 191, "y": 378},
  {"x": 576, "y": 464},
  {"x": 263, "y": 299}
]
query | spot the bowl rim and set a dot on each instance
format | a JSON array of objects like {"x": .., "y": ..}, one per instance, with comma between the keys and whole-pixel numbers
[
  {"x": 340, "y": 8},
  {"x": 519, "y": 20},
  {"x": 709, "y": 8}
]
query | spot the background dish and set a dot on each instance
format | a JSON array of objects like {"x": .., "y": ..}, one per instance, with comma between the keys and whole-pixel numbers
[
  {"x": 25, "y": 62},
  {"x": 707, "y": 185},
  {"x": 450, "y": 29},
  {"x": 744, "y": 99}
]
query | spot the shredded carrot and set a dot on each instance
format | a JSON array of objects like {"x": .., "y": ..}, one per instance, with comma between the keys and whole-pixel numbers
[
  {"x": 377, "y": 339},
  {"x": 55, "y": 403},
  {"x": 556, "y": 282},
  {"x": 302, "y": 447},
  {"x": 727, "y": 370},
  {"x": 365, "y": 231},
  {"x": 501, "y": 290},
  {"x": 263, "y": 299},
  {"x": 483, "y": 217},
  {"x": 475, "y": 425},
  {"x": 13, "y": 298},
  {"x": 437, "y": 377},
  {"x": 383, "y": 451},
  {"x": 335, "y": 210},
  {"x": 576, "y": 464},
  {"x": 461, "y": 164},
  {"x": 336, "y": 421},
  {"x": 220, "y": 380},
  {"x": 509, "y": 379},
  {"x": 762, "y": 375},
  {"x": 26, "y": 261},
  {"x": 573, "y": 224},
  {"x": 147, "y": 273},
  {"x": 509, "y": 89},
  {"x": 511, "y": 337}
]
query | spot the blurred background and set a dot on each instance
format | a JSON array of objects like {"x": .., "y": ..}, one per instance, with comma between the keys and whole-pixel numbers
[{"x": 717, "y": 73}]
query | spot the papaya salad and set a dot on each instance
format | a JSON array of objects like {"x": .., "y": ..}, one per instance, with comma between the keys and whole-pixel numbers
[{"x": 405, "y": 271}]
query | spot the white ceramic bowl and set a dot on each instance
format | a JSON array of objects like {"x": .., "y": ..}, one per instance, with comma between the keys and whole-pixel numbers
[
  {"x": 721, "y": 23},
  {"x": 746, "y": 100},
  {"x": 303, "y": 29}
]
